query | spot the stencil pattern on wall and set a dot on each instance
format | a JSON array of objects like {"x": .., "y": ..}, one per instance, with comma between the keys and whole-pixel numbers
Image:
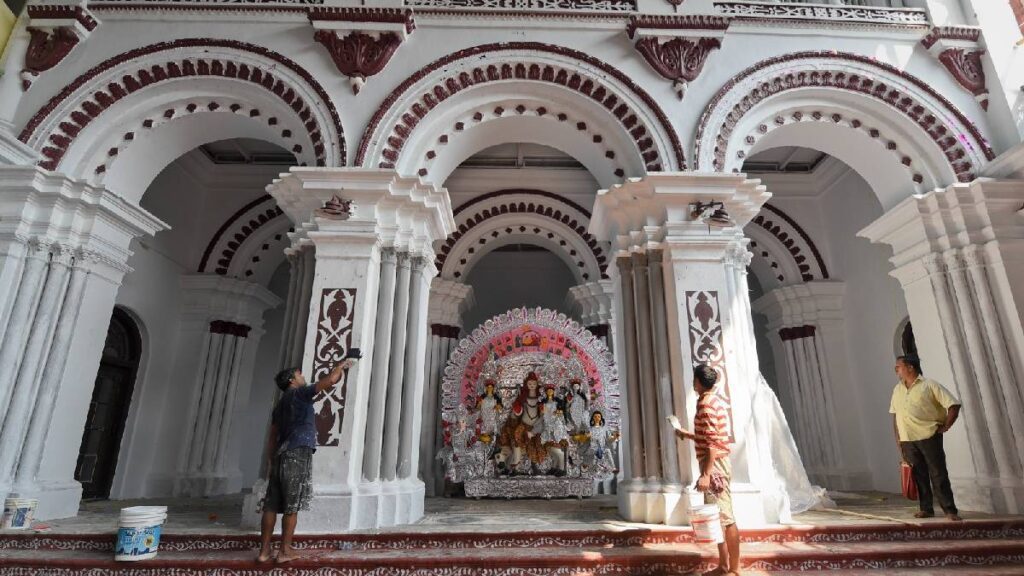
[
  {"x": 706, "y": 345},
  {"x": 333, "y": 339}
]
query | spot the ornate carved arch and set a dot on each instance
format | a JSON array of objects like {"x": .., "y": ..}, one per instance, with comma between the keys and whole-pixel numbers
[
  {"x": 409, "y": 106},
  {"x": 251, "y": 241},
  {"x": 787, "y": 250},
  {"x": 303, "y": 117},
  {"x": 543, "y": 218},
  {"x": 961, "y": 148}
]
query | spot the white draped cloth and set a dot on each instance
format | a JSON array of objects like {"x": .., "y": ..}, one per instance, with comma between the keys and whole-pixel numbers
[{"x": 781, "y": 474}]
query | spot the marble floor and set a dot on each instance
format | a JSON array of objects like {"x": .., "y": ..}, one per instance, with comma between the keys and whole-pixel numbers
[{"x": 222, "y": 515}]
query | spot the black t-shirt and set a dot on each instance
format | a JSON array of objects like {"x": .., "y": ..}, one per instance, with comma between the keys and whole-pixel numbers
[{"x": 293, "y": 416}]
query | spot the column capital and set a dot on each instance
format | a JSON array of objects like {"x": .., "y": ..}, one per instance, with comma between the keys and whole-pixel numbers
[
  {"x": 448, "y": 301},
  {"x": 660, "y": 208},
  {"x": 380, "y": 206},
  {"x": 209, "y": 298},
  {"x": 593, "y": 301},
  {"x": 812, "y": 303},
  {"x": 957, "y": 216}
]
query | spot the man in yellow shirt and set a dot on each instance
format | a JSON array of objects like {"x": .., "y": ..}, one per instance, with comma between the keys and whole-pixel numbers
[{"x": 922, "y": 411}]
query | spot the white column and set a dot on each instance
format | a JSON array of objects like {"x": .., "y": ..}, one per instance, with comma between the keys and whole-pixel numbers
[
  {"x": 808, "y": 319},
  {"x": 654, "y": 213},
  {"x": 224, "y": 316},
  {"x": 412, "y": 489},
  {"x": 958, "y": 255},
  {"x": 350, "y": 214},
  {"x": 32, "y": 453},
  {"x": 381, "y": 365},
  {"x": 396, "y": 372},
  {"x": 448, "y": 300},
  {"x": 58, "y": 365},
  {"x": 20, "y": 324},
  {"x": 26, "y": 386}
]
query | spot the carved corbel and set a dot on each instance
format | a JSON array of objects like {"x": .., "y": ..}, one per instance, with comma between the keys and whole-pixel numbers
[
  {"x": 54, "y": 31},
  {"x": 361, "y": 41},
  {"x": 956, "y": 48},
  {"x": 677, "y": 47}
]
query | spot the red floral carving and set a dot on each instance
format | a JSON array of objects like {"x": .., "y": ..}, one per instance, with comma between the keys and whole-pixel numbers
[
  {"x": 965, "y": 66},
  {"x": 678, "y": 59},
  {"x": 47, "y": 48},
  {"x": 359, "y": 55}
]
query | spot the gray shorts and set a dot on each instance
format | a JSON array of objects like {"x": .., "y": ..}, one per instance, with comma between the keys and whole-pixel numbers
[{"x": 290, "y": 486}]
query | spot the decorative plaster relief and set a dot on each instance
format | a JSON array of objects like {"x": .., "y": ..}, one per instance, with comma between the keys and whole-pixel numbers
[
  {"x": 819, "y": 11},
  {"x": 232, "y": 235},
  {"x": 361, "y": 41},
  {"x": 455, "y": 79},
  {"x": 706, "y": 341},
  {"x": 566, "y": 217},
  {"x": 150, "y": 69},
  {"x": 621, "y": 6},
  {"x": 333, "y": 339},
  {"x": 679, "y": 59},
  {"x": 488, "y": 113},
  {"x": 838, "y": 119},
  {"x": 956, "y": 48},
  {"x": 54, "y": 32},
  {"x": 957, "y": 137}
]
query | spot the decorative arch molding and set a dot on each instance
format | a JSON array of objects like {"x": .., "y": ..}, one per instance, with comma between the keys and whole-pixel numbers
[
  {"x": 871, "y": 88},
  {"x": 461, "y": 74},
  {"x": 299, "y": 113},
  {"x": 491, "y": 122},
  {"x": 251, "y": 241},
  {"x": 528, "y": 216},
  {"x": 787, "y": 250}
]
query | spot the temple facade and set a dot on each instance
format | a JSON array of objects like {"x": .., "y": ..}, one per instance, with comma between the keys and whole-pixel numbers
[{"x": 197, "y": 194}]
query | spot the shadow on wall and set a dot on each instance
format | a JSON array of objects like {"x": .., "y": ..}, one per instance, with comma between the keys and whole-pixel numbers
[{"x": 517, "y": 275}]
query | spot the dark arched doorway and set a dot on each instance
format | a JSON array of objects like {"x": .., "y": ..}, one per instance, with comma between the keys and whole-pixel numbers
[{"x": 111, "y": 397}]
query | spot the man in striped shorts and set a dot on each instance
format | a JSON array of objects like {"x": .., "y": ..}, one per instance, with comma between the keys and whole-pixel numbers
[{"x": 711, "y": 440}]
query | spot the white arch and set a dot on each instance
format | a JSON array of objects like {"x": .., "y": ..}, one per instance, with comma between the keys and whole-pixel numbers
[
  {"x": 127, "y": 118},
  {"x": 583, "y": 133},
  {"x": 865, "y": 96},
  {"x": 406, "y": 128}
]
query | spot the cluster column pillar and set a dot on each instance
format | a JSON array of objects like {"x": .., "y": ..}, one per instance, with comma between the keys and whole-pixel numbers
[
  {"x": 448, "y": 300},
  {"x": 223, "y": 317},
  {"x": 959, "y": 256},
  {"x": 678, "y": 290},
  {"x": 807, "y": 333},
  {"x": 363, "y": 223},
  {"x": 63, "y": 253}
]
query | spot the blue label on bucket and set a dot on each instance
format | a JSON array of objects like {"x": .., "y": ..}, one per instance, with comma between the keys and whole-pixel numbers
[
  {"x": 20, "y": 519},
  {"x": 137, "y": 541}
]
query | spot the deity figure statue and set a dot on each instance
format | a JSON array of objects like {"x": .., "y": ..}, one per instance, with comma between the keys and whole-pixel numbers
[
  {"x": 521, "y": 434},
  {"x": 555, "y": 435},
  {"x": 579, "y": 404},
  {"x": 489, "y": 407},
  {"x": 458, "y": 436},
  {"x": 599, "y": 455}
]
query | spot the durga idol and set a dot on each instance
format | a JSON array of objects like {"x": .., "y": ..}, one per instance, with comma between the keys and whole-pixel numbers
[{"x": 521, "y": 435}]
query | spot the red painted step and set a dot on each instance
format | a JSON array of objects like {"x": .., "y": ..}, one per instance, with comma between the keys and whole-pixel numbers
[
  {"x": 596, "y": 538},
  {"x": 641, "y": 560}
]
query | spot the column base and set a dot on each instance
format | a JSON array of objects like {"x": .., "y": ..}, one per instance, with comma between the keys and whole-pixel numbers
[
  {"x": 373, "y": 505},
  {"x": 986, "y": 494},
  {"x": 205, "y": 485},
  {"x": 653, "y": 502},
  {"x": 57, "y": 500}
]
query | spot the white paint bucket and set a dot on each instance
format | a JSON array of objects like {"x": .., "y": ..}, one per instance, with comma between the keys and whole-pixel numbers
[
  {"x": 18, "y": 513},
  {"x": 138, "y": 532},
  {"x": 707, "y": 526}
]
